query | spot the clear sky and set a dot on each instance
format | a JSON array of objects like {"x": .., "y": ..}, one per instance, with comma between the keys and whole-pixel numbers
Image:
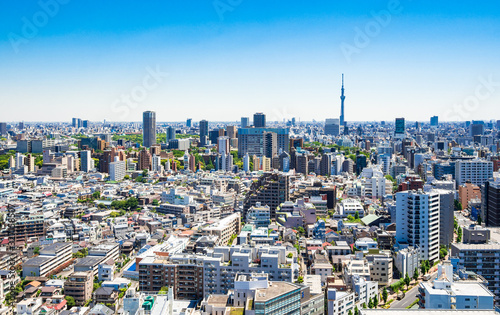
[{"x": 223, "y": 59}]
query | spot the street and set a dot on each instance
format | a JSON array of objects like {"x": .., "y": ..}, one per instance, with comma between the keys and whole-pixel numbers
[{"x": 411, "y": 295}]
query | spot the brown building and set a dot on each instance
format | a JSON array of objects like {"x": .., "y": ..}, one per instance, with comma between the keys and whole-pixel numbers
[
  {"x": 155, "y": 150},
  {"x": 270, "y": 189},
  {"x": 32, "y": 226},
  {"x": 144, "y": 160},
  {"x": 232, "y": 132},
  {"x": 183, "y": 274},
  {"x": 79, "y": 286},
  {"x": 467, "y": 192}
]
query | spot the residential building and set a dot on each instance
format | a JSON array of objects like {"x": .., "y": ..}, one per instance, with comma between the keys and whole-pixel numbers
[
  {"x": 490, "y": 202},
  {"x": 79, "y": 285},
  {"x": 417, "y": 222},
  {"x": 475, "y": 171}
]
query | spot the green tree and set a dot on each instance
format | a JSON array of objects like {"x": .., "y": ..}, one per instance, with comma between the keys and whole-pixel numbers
[
  {"x": 407, "y": 280},
  {"x": 301, "y": 230},
  {"x": 155, "y": 202},
  {"x": 385, "y": 295},
  {"x": 479, "y": 220},
  {"x": 415, "y": 274},
  {"x": 459, "y": 234},
  {"x": 356, "y": 215},
  {"x": 356, "y": 310},
  {"x": 375, "y": 301},
  {"x": 163, "y": 290},
  {"x": 443, "y": 252},
  {"x": 36, "y": 251},
  {"x": 370, "y": 303},
  {"x": 70, "y": 301},
  {"x": 457, "y": 204},
  {"x": 300, "y": 279},
  {"x": 349, "y": 313},
  {"x": 364, "y": 305}
]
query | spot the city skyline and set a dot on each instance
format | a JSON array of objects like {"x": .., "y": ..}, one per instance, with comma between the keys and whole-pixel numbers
[{"x": 423, "y": 59}]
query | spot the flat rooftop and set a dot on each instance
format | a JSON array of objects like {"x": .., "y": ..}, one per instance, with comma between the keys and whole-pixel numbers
[{"x": 274, "y": 290}]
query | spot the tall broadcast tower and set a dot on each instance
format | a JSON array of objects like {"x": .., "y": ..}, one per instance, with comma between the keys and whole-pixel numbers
[{"x": 342, "y": 98}]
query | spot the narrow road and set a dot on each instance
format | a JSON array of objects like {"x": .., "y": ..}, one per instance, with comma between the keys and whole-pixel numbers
[{"x": 407, "y": 300}]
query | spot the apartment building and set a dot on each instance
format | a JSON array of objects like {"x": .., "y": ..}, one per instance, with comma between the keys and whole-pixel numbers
[
  {"x": 483, "y": 259},
  {"x": 417, "y": 222},
  {"x": 50, "y": 257},
  {"x": 218, "y": 268},
  {"x": 340, "y": 303},
  {"x": 225, "y": 228},
  {"x": 259, "y": 216},
  {"x": 467, "y": 192},
  {"x": 381, "y": 270},
  {"x": 28, "y": 227},
  {"x": 476, "y": 171},
  {"x": 79, "y": 285},
  {"x": 446, "y": 293},
  {"x": 490, "y": 203},
  {"x": 182, "y": 273}
]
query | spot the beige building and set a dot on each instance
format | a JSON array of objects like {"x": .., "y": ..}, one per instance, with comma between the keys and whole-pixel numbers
[
  {"x": 381, "y": 270},
  {"x": 468, "y": 191},
  {"x": 79, "y": 285}
]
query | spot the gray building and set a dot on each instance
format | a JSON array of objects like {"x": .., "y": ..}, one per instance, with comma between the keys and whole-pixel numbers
[
  {"x": 259, "y": 120},
  {"x": 149, "y": 128}
]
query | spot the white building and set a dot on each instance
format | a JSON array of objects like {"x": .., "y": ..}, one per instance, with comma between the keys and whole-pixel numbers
[
  {"x": 259, "y": 215},
  {"x": 117, "y": 170},
  {"x": 340, "y": 303},
  {"x": 417, "y": 222},
  {"x": 476, "y": 171},
  {"x": 364, "y": 289},
  {"x": 445, "y": 293},
  {"x": 407, "y": 259},
  {"x": 349, "y": 207}
]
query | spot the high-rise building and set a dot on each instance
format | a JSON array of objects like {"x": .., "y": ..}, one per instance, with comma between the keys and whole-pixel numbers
[
  {"x": 342, "y": 98},
  {"x": 144, "y": 160},
  {"x": 87, "y": 163},
  {"x": 476, "y": 128},
  {"x": 189, "y": 122},
  {"x": 490, "y": 203},
  {"x": 400, "y": 130},
  {"x": 86, "y": 123},
  {"x": 245, "y": 122},
  {"x": 117, "y": 169},
  {"x": 203, "y": 129},
  {"x": 251, "y": 140},
  {"x": 332, "y": 126},
  {"x": 475, "y": 171},
  {"x": 270, "y": 144},
  {"x": 259, "y": 120},
  {"x": 3, "y": 129},
  {"x": 417, "y": 221},
  {"x": 434, "y": 121},
  {"x": 231, "y": 131},
  {"x": 149, "y": 128},
  {"x": 270, "y": 189},
  {"x": 170, "y": 134}
]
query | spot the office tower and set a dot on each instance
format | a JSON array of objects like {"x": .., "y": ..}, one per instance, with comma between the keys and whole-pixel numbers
[
  {"x": 144, "y": 160},
  {"x": 270, "y": 142},
  {"x": 204, "y": 130},
  {"x": 74, "y": 122},
  {"x": 259, "y": 120},
  {"x": 3, "y": 129},
  {"x": 475, "y": 171},
  {"x": 342, "y": 98},
  {"x": 332, "y": 126},
  {"x": 87, "y": 164},
  {"x": 302, "y": 164},
  {"x": 79, "y": 123},
  {"x": 400, "y": 130},
  {"x": 245, "y": 122},
  {"x": 246, "y": 163},
  {"x": 21, "y": 125},
  {"x": 490, "y": 203},
  {"x": 498, "y": 124},
  {"x": 231, "y": 132},
  {"x": 434, "y": 121},
  {"x": 30, "y": 163},
  {"x": 86, "y": 124},
  {"x": 325, "y": 166},
  {"x": 149, "y": 128},
  {"x": 251, "y": 140},
  {"x": 270, "y": 189},
  {"x": 170, "y": 134},
  {"x": 117, "y": 169},
  {"x": 189, "y": 122},
  {"x": 417, "y": 222},
  {"x": 361, "y": 163},
  {"x": 476, "y": 128},
  {"x": 446, "y": 215}
]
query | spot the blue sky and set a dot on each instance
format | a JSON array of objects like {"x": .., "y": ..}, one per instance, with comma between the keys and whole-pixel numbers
[{"x": 230, "y": 58}]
